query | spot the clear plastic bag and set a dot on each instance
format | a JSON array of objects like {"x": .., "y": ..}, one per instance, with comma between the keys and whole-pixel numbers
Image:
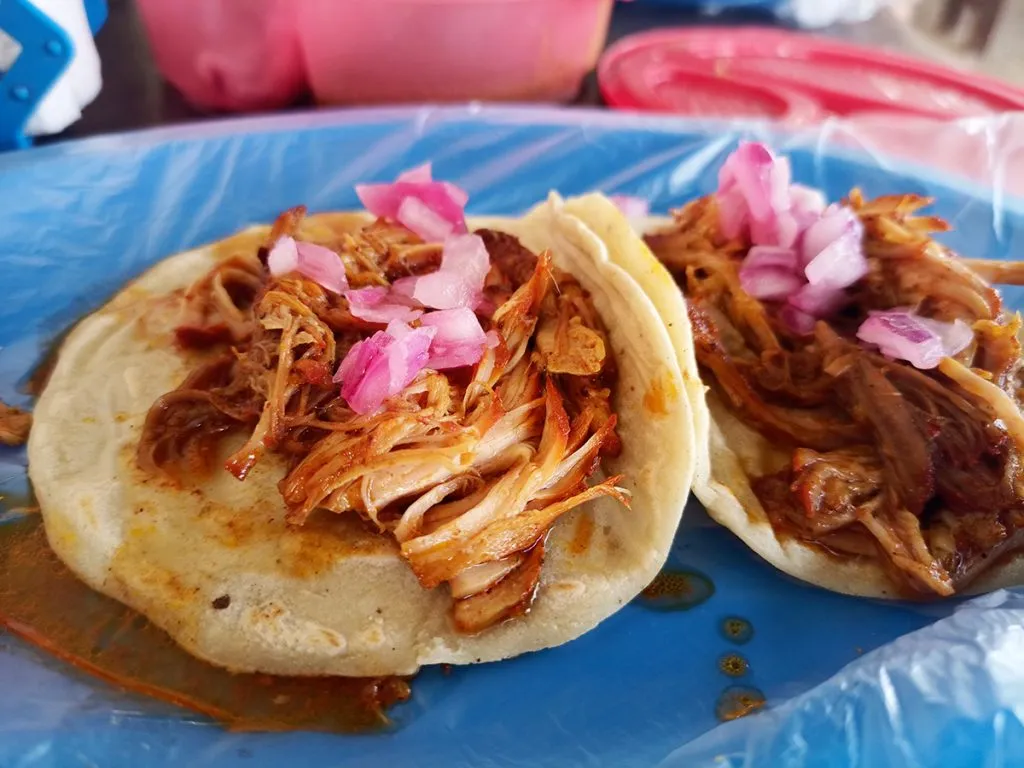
[{"x": 847, "y": 682}]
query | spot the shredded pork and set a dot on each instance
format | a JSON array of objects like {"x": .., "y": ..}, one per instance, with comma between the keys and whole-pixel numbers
[
  {"x": 920, "y": 470},
  {"x": 467, "y": 469}
]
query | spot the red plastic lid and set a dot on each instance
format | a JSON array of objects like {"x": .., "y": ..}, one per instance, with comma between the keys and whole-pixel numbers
[{"x": 791, "y": 76}]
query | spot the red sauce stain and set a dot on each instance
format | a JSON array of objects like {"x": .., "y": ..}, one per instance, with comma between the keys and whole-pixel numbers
[{"x": 42, "y": 602}]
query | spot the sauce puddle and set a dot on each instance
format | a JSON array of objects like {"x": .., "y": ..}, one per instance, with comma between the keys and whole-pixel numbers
[
  {"x": 733, "y": 665},
  {"x": 43, "y": 602},
  {"x": 677, "y": 590},
  {"x": 737, "y": 630}
]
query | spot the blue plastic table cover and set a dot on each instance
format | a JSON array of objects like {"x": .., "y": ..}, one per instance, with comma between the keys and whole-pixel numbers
[{"x": 848, "y": 682}]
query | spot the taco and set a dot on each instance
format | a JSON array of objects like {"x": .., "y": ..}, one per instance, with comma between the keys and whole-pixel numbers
[
  {"x": 358, "y": 443},
  {"x": 864, "y": 385}
]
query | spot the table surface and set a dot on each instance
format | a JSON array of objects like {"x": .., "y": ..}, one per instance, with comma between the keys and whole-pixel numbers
[{"x": 135, "y": 96}]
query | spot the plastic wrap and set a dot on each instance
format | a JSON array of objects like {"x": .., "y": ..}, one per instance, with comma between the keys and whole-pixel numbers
[{"x": 848, "y": 682}]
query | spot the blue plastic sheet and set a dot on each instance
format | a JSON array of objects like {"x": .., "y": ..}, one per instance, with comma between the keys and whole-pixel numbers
[{"x": 848, "y": 682}]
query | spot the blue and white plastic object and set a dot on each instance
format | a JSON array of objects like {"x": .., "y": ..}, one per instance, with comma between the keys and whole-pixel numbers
[
  {"x": 847, "y": 682},
  {"x": 811, "y": 14},
  {"x": 49, "y": 67}
]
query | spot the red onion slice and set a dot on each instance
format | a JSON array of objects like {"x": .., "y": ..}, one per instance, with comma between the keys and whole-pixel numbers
[
  {"x": 769, "y": 283},
  {"x": 283, "y": 257},
  {"x": 819, "y": 300},
  {"x": 807, "y": 204},
  {"x": 771, "y": 256},
  {"x": 955, "y": 336},
  {"x": 733, "y": 217},
  {"x": 833, "y": 249},
  {"x": 323, "y": 266},
  {"x": 922, "y": 342},
  {"x": 438, "y": 290},
  {"x": 421, "y": 174},
  {"x": 460, "y": 280},
  {"x": 443, "y": 199},
  {"x": 383, "y": 365},
  {"x": 414, "y": 215},
  {"x": 424, "y": 174},
  {"x": 762, "y": 180},
  {"x": 459, "y": 340},
  {"x": 834, "y": 223},
  {"x": 319, "y": 264},
  {"x": 466, "y": 255},
  {"x": 753, "y": 193},
  {"x": 379, "y": 305}
]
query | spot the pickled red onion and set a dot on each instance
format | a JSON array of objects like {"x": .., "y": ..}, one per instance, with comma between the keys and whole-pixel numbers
[
  {"x": 319, "y": 264},
  {"x": 802, "y": 253},
  {"x": 421, "y": 174},
  {"x": 444, "y": 200},
  {"x": 379, "y": 305},
  {"x": 754, "y": 198},
  {"x": 416, "y": 216},
  {"x": 818, "y": 300},
  {"x": 459, "y": 282},
  {"x": 769, "y": 283},
  {"x": 383, "y": 365},
  {"x": 771, "y": 256},
  {"x": 921, "y": 341},
  {"x": 466, "y": 255},
  {"x": 424, "y": 174},
  {"x": 807, "y": 204},
  {"x": 833, "y": 249},
  {"x": 459, "y": 340}
]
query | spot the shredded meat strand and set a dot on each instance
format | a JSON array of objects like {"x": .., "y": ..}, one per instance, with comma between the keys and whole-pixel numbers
[{"x": 997, "y": 272}]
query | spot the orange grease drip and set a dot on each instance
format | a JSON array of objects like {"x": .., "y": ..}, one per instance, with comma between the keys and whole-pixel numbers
[
  {"x": 582, "y": 535},
  {"x": 42, "y": 602},
  {"x": 660, "y": 396}
]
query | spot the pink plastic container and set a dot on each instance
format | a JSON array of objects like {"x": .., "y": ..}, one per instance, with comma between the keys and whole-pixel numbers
[
  {"x": 450, "y": 50},
  {"x": 255, "y": 54},
  {"x": 228, "y": 54}
]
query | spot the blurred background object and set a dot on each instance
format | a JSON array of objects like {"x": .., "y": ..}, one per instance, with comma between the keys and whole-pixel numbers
[
  {"x": 390, "y": 51},
  {"x": 787, "y": 76},
  {"x": 49, "y": 65},
  {"x": 253, "y": 54},
  {"x": 981, "y": 35},
  {"x": 260, "y": 55},
  {"x": 227, "y": 54}
]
